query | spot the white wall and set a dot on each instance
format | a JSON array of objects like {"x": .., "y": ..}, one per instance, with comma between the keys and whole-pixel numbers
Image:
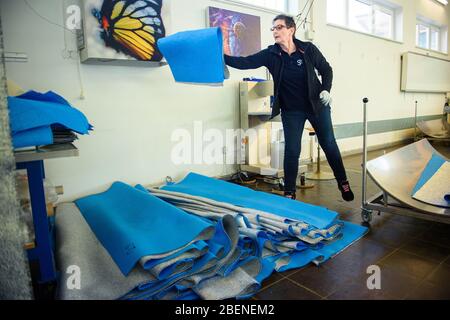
[
  {"x": 366, "y": 66},
  {"x": 135, "y": 110}
]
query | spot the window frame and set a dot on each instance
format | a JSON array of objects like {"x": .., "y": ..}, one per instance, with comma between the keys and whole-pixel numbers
[
  {"x": 423, "y": 25},
  {"x": 371, "y": 22},
  {"x": 440, "y": 30},
  {"x": 388, "y": 11},
  {"x": 375, "y": 6}
]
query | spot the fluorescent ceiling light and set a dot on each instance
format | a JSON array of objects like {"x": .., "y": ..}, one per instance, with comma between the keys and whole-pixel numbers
[{"x": 444, "y": 2}]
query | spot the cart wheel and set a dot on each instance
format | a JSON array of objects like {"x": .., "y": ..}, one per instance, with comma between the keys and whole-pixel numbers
[{"x": 366, "y": 216}]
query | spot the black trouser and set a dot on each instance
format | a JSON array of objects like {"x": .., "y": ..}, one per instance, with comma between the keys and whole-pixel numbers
[{"x": 293, "y": 124}]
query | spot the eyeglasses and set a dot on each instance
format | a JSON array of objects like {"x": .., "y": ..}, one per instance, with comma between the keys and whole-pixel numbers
[{"x": 278, "y": 28}]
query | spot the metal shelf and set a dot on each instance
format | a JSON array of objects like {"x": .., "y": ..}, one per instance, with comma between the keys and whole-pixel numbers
[{"x": 46, "y": 152}]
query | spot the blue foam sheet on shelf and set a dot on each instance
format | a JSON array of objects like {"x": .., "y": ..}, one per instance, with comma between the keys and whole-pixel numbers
[
  {"x": 26, "y": 114},
  {"x": 34, "y": 137}
]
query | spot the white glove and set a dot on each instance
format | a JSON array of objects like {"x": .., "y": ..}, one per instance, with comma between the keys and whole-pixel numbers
[{"x": 325, "y": 97}]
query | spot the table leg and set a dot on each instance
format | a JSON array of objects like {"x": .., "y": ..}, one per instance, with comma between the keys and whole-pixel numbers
[{"x": 42, "y": 252}]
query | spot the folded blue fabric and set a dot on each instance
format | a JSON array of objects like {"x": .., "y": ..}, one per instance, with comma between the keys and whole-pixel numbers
[
  {"x": 219, "y": 190},
  {"x": 34, "y": 137},
  {"x": 199, "y": 245},
  {"x": 33, "y": 115},
  {"x": 430, "y": 170},
  {"x": 195, "y": 56},
  {"x": 303, "y": 253},
  {"x": 132, "y": 224},
  {"x": 149, "y": 291},
  {"x": 49, "y": 96},
  {"x": 350, "y": 233},
  {"x": 28, "y": 114}
]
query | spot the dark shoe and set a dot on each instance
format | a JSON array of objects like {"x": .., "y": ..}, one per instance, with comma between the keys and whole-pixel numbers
[
  {"x": 347, "y": 193},
  {"x": 290, "y": 195}
]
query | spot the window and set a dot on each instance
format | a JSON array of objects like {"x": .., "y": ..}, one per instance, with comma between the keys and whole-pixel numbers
[
  {"x": 384, "y": 23},
  {"x": 360, "y": 16},
  {"x": 377, "y": 17},
  {"x": 434, "y": 39},
  {"x": 423, "y": 34},
  {"x": 431, "y": 36},
  {"x": 336, "y": 12}
]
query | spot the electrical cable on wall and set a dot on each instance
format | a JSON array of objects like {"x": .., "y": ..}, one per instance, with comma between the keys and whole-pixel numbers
[
  {"x": 307, "y": 13},
  {"x": 304, "y": 21},
  {"x": 66, "y": 53},
  {"x": 299, "y": 16},
  {"x": 44, "y": 18}
]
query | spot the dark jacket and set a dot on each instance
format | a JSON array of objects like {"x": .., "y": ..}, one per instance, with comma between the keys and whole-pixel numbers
[{"x": 272, "y": 60}]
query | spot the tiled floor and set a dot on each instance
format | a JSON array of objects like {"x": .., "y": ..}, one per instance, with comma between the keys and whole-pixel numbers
[{"x": 413, "y": 255}]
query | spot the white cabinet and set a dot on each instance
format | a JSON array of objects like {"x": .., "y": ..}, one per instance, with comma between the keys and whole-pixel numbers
[{"x": 260, "y": 134}]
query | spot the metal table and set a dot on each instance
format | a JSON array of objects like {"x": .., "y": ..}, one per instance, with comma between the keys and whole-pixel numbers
[
  {"x": 437, "y": 130},
  {"x": 397, "y": 173},
  {"x": 33, "y": 162}
]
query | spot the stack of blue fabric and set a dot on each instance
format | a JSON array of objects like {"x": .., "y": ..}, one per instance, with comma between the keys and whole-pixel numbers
[
  {"x": 201, "y": 238},
  {"x": 298, "y": 233},
  {"x": 38, "y": 119}
]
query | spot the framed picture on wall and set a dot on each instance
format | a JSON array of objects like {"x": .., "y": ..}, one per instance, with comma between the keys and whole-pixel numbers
[
  {"x": 241, "y": 32},
  {"x": 122, "y": 30}
]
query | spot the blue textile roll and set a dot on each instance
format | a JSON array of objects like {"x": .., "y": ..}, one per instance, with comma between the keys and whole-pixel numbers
[
  {"x": 195, "y": 56},
  {"x": 132, "y": 224}
]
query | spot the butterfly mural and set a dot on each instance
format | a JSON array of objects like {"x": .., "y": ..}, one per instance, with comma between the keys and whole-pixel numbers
[{"x": 132, "y": 27}]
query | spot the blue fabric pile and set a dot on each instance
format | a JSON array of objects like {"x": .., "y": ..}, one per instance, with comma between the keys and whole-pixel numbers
[
  {"x": 297, "y": 233},
  {"x": 44, "y": 118},
  {"x": 182, "y": 242}
]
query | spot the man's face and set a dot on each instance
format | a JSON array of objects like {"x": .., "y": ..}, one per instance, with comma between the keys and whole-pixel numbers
[{"x": 281, "y": 33}]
